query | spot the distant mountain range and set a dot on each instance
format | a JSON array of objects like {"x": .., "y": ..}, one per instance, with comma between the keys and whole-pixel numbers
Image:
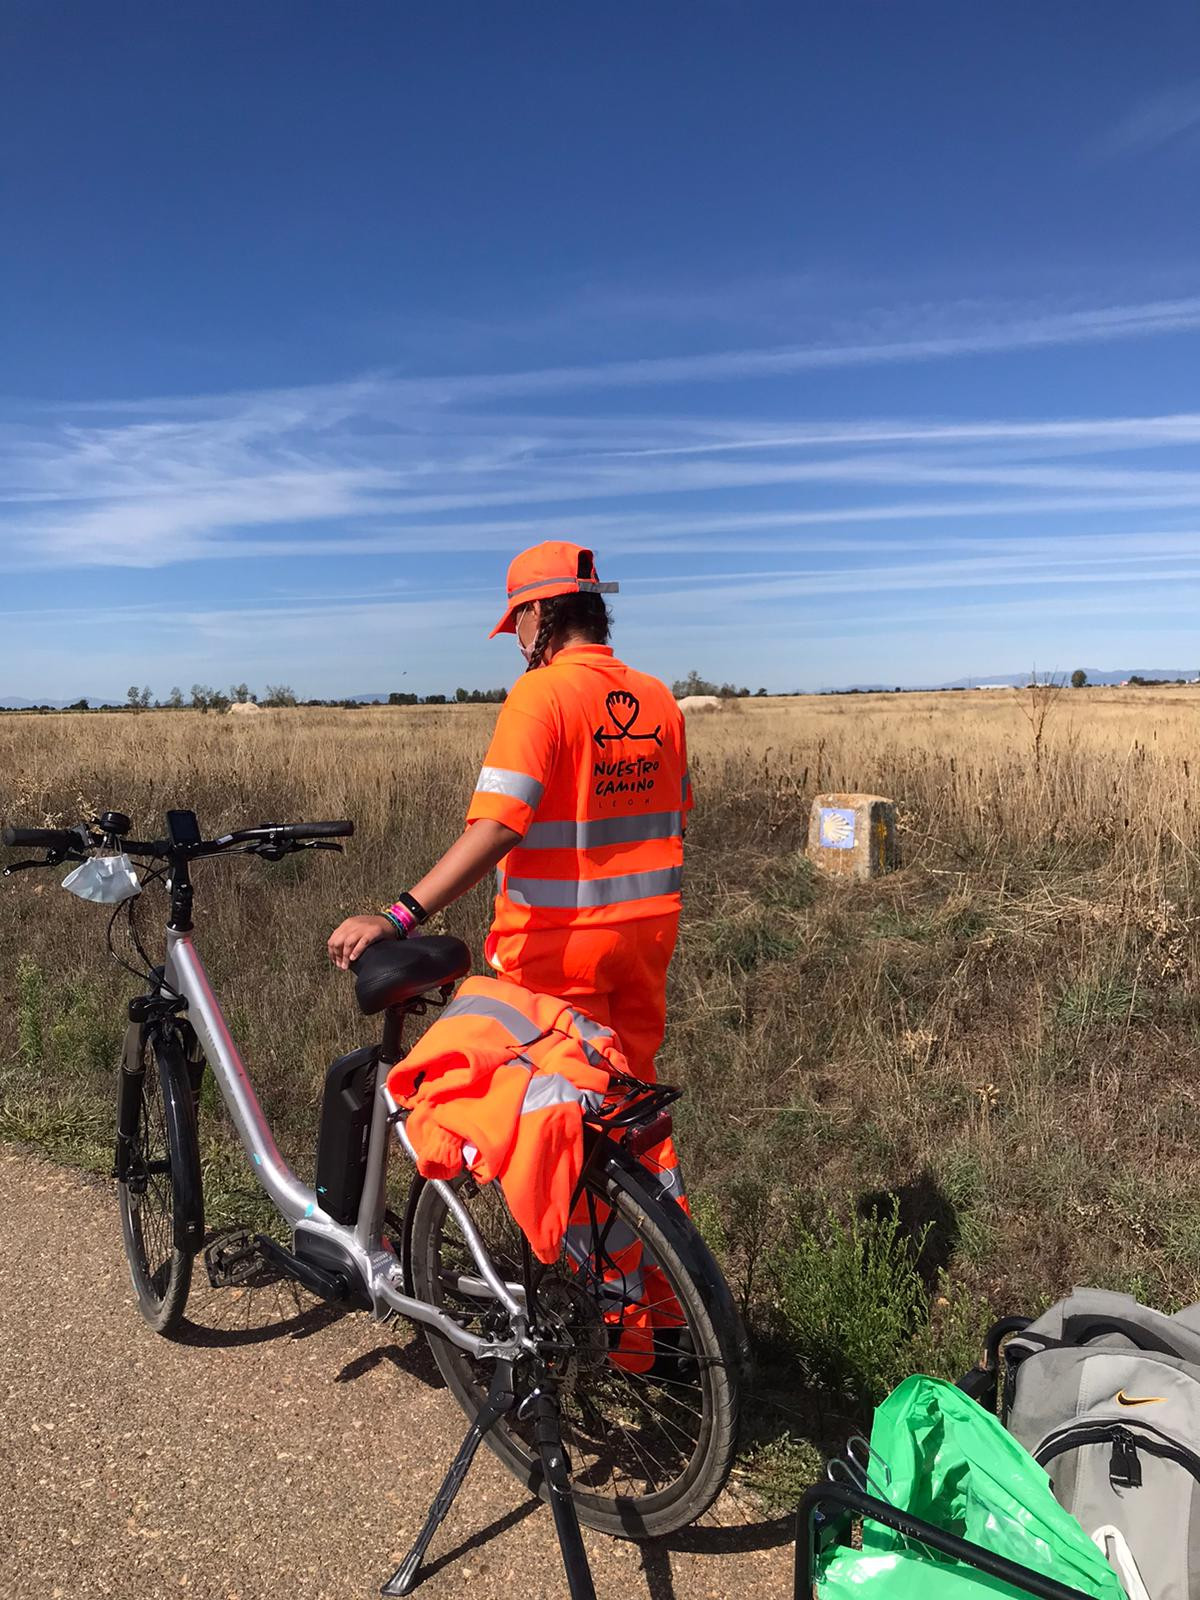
[
  {"x": 1097, "y": 675},
  {"x": 1017, "y": 680},
  {"x": 1094, "y": 675},
  {"x": 14, "y": 702}
]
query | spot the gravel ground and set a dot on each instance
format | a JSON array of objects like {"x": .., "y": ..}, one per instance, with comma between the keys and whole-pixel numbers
[{"x": 276, "y": 1448}]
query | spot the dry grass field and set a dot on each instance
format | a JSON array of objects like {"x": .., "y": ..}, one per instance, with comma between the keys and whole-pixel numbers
[{"x": 911, "y": 1103}]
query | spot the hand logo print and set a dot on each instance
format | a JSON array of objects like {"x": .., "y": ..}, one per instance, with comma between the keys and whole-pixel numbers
[{"x": 623, "y": 709}]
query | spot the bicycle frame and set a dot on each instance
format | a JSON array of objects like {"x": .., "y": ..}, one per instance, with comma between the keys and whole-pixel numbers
[{"x": 363, "y": 1242}]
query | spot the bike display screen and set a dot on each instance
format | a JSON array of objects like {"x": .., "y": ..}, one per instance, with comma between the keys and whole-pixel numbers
[{"x": 182, "y": 828}]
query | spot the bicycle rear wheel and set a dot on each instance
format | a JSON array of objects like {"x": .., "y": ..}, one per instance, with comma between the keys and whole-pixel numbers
[
  {"x": 159, "y": 1192},
  {"x": 650, "y": 1450}
]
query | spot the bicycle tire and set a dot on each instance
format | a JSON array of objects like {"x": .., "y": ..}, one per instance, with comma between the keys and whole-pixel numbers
[
  {"x": 718, "y": 1352},
  {"x": 159, "y": 1183}
]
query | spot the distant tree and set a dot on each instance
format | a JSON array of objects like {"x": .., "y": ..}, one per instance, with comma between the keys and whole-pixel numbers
[
  {"x": 79, "y": 705},
  {"x": 1079, "y": 679},
  {"x": 175, "y": 699},
  {"x": 202, "y": 697},
  {"x": 240, "y": 693},
  {"x": 692, "y": 684},
  {"x": 759, "y": 693},
  {"x": 435, "y": 699},
  {"x": 145, "y": 697},
  {"x": 279, "y": 694},
  {"x": 403, "y": 698},
  {"x": 134, "y": 695}
]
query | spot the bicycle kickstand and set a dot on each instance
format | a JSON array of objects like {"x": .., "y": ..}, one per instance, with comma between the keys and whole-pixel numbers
[
  {"x": 499, "y": 1402},
  {"x": 547, "y": 1433}
]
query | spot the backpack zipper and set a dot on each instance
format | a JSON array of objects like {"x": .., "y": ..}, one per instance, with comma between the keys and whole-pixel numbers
[{"x": 1124, "y": 1467}]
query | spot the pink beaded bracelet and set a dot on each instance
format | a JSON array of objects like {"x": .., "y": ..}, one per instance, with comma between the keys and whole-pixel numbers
[{"x": 401, "y": 917}]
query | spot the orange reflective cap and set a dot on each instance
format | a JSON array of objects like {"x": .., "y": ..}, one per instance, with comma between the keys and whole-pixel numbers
[
  {"x": 546, "y": 570},
  {"x": 588, "y": 764}
]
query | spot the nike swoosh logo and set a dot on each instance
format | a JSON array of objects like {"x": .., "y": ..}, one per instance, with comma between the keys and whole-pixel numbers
[{"x": 1124, "y": 1399}]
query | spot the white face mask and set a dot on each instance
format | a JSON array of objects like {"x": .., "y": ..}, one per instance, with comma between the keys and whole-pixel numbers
[
  {"x": 106, "y": 879},
  {"x": 526, "y": 649}
]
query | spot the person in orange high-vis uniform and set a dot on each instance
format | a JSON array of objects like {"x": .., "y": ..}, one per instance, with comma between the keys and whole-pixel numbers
[{"x": 580, "y": 807}]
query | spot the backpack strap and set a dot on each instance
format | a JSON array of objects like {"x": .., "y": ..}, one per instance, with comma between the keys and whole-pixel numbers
[{"x": 1086, "y": 1326}]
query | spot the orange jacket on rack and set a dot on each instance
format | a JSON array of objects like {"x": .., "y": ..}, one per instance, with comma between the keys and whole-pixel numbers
[
  {"x": 588, "y": 763},
  {"x": 500, "y": 1082}
]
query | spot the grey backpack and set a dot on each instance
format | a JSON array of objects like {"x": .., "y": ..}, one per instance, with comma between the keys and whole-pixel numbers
[{"x": 1105, "y": 1394}]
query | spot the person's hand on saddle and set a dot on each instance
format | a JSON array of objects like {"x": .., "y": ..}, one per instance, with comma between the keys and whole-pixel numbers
[{"x": 350, "y": 938}]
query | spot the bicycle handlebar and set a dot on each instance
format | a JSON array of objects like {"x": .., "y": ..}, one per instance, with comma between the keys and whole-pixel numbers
[
  {"x": 315, "y": 830},
  {"x": 62, "y": 840},
  {"x": 59, "y": 839}
]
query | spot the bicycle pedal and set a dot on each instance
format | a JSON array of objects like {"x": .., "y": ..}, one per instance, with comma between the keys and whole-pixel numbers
[{"x": 232, "y": 1259}]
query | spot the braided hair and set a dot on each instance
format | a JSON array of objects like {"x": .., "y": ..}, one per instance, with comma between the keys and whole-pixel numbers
[{"x": 569, "y": 616}]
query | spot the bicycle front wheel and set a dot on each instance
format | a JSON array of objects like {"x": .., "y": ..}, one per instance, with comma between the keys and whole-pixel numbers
[
  {"x": 158, "y": 1176},
  {"x": 651, "y": 1441}
]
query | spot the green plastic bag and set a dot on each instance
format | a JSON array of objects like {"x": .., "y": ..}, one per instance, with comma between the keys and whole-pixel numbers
[{"x": 938, "y": 1455}]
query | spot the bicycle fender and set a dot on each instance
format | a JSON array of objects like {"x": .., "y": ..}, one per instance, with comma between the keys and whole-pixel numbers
[
  {"x": 180, "y": 1106},
  {"x": 129, "y": 1094}
]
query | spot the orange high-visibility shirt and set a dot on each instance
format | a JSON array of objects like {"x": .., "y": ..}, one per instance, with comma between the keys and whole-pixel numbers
[{"x": 588, "y": 763}]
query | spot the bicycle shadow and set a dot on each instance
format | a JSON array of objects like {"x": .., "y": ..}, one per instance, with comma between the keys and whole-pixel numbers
[
  {"x": 768, "y": 1533},
  {"x": 272, "y": 1306},
  {"x": 481, "y": 1538}
]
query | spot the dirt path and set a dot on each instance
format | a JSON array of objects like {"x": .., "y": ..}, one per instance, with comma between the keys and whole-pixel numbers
[{"x": 279, "y": 1452}]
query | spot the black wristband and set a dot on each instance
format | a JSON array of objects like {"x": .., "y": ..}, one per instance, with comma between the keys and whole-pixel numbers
[{"x": 415, "y": 906}]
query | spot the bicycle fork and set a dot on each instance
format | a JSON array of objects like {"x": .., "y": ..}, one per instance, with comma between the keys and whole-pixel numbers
[{"x": 542, "y": 1404}]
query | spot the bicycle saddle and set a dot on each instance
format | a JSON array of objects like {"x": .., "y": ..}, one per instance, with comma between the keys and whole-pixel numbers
[{"x": 393, "y": 971}]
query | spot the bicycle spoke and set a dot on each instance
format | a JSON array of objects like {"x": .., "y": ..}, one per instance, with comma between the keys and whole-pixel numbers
[{"x": 631, "y": 1435}]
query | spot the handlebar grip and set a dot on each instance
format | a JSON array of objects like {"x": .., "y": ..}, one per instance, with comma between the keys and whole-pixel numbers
[
  {"x": 317, "y": 830},
  {"x": 38, "y": 838}
]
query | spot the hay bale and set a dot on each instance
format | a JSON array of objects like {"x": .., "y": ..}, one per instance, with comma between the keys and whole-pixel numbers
[
  {"x": 245, "y": 708},
  {"x": 699, "y": 702},
  {"x": 853, "y": 835}
]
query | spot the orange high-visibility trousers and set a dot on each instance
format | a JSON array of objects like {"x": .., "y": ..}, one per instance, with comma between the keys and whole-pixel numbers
[{"x": 618, "y": 975}]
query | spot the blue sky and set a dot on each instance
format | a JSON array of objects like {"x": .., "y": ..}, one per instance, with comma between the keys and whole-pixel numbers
[{"x": 861, "y": 342}]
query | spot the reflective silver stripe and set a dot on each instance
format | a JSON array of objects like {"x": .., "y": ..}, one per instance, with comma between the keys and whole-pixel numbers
[
  {"x": 589, "y": 1029},
  {"x": 684, "y": 784},
  {"x": 517, "y": 785},
  {"x": 552, "y": 1089},
  {"x": 671, "y": 1182},
  {"x": 479, "y": 1005},
  {"x": 562, "y": 894},
  {"x": 603, "y": 830},
  {"x": 626, "y": 1287},
  {"x": 583, "y": 585}
]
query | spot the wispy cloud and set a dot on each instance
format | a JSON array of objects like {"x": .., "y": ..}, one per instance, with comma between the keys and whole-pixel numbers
[
  {"x": 914, "y": 334},
  {"x": 363, "y": 468},
  {"x": 799, "y": 512},
  {"x": 1162, "y": 121}
]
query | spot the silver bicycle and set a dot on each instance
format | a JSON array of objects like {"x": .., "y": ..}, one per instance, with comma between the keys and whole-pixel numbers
[{"x": 535, "y": 1355}]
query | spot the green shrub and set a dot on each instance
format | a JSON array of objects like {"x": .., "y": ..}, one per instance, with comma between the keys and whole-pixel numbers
[{"x": 851, "y": 1300}]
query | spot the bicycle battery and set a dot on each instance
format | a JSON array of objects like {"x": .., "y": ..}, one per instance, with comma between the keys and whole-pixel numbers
[{"x": 345, "y": 1130}]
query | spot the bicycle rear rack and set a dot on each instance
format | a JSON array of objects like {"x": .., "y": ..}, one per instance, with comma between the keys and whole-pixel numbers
[{"x": 638, "y": 1111}]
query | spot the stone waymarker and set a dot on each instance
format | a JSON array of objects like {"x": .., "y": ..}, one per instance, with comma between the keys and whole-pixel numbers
[{"x": 853, "y": 835}]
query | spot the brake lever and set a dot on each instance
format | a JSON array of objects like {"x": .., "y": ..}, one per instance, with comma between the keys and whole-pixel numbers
[{"x": 54, "y": 859}]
